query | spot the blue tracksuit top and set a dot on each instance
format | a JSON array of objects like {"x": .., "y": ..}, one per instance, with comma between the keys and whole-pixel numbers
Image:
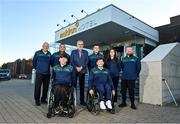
[
  {"x": 131, "y": 67},
  {"x": 41, "y": 62},
  {"x": 114, "y": 67},
  {"x": 55, "y": 58},
  {"x": 99, "y": 76},
  {"x": 63, "y": 75},
  {"x": 93, "y": 59},
  {"x": 77, "y": 61}
]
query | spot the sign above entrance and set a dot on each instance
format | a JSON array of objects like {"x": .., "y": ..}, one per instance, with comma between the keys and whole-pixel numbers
[{"x": 77, "y": 27}]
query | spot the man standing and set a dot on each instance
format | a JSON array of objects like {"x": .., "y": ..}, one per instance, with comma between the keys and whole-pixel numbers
[
  {"x": 56, "y": 55},
  {"x": 79, "y": 60},
  {"x": 94, "y": 57},
  {"x": 131, "y": 68},
  {"x": 41, "y": 62}
]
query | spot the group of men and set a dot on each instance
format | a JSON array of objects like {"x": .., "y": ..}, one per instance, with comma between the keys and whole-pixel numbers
[{"x": 67, "y": 69}]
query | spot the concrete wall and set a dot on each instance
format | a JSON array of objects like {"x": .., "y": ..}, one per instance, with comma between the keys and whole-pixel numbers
[{"x": 171, "y": 72}]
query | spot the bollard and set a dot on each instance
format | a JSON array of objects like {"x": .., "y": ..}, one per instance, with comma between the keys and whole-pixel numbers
[{"x": 33, "y": 77}]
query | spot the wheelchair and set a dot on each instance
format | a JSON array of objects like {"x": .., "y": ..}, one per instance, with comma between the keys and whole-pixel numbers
[
  {"x": 92, "y": 103},
  {"x": 63, "y": 107}
]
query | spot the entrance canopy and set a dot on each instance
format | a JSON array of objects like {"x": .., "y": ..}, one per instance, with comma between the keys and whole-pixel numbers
[{"x": 105, "y": 26}]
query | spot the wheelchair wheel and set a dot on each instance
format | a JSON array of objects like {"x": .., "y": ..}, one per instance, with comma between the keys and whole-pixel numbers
[
  {"x": 112, "y": 111},
  {"x": 50, "y": 106},
  {"x": 89, "y": 102},
  {"x": 71, "y": 105},
  {"x": 96, "y": 109},
  {"x": 48, "y": 115}
]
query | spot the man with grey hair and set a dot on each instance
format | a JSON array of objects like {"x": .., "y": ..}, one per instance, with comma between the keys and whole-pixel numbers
[
  {"x": 41, "y": 62},
  {"x": 79, "y": 61}
]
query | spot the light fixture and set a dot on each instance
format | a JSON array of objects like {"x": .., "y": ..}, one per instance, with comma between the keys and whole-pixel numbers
[
  {"x": 59, "y": 25},
  {"x": 82, "y": 11},
  {"x": 74, "y": 17},
  {"x": 67, "y": 21}
]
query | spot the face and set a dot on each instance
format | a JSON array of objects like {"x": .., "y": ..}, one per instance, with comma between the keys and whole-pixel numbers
[
  {"x": 63, "y": 60},
  {"x": 100, "y": 63},
  {"x": 96, "y": 49},
  {"x": 112, "y": 53},
  {"x": 129, "y": 51},
  {"x": 62, "y": 48},
  {"x": 45, "y": 47},
  {"x": 80, "y": 45}
]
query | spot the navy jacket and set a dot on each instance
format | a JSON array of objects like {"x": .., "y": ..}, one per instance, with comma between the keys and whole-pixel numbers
[
  {"x": 77, "y": 61},
  {"x": 55, "y": 58},
  {"x": 93, "y": 59},
  {"x": 63, "y": 75},
  {"x": 97, "y": 76},
  {"x": 41, "y": 62},
  {"x": 114, "y": 67},
  {"x": 131, "y": 67}
]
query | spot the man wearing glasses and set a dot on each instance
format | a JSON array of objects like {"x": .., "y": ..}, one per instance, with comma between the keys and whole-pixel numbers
[{"x": 79, "y": 60}]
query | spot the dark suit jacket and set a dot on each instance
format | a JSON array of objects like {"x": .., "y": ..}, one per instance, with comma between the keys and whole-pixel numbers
[{"x": 77, "y": 61}]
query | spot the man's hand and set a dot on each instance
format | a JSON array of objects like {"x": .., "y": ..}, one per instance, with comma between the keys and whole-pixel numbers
[
  {"x": 78, "y": 69},
  {"x": 113, "y": 92},
  {"x": 91, "y": 92}
]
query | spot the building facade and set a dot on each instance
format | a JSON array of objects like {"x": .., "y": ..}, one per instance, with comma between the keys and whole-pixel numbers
[{"x": 110, "y": 27}]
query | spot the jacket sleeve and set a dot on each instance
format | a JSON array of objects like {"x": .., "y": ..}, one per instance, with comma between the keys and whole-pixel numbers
[
  {"x": 110, "y": 81},
  {"x": 86, "y": 60},
  {"x": 119, "y": 65},
  {"x": 35, "y": 60},
  {"x": 89, "y": 64},
  {"x": 53, "y": 75},
  {"x": 73, "y": 76},
  {"x": 91, "y": 80},
  {"x": 72, "y": 59}
]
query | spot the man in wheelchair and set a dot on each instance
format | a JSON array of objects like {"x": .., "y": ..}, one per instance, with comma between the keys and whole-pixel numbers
[
  {"x": 61, "y": 100},
  {"x": 100, "y": 79}
]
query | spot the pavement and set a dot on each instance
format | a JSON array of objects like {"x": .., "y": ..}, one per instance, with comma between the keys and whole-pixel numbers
[{"x": 17, "y": 106}]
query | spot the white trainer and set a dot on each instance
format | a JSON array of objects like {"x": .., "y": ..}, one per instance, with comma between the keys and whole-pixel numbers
[
  {"x": 102, "y": 106},
  {"x": 108, "y": 104}
]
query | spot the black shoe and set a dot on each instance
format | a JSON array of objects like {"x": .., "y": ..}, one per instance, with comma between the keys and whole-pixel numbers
[
  {"x": 83, "y": 103},
  {"x": 133, "y": 106},
  {"x": 122, "y": 105},
  {"x": 44, "y": 102},
  {"x": 37, "y": 103}
]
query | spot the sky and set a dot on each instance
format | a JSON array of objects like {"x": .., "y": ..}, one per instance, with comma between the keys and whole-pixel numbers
[{"x": 26, "y": 24}]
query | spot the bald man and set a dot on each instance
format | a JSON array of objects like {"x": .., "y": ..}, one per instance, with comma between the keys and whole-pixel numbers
[
  {"x": 55, "y": 56},
  {"x": 41, "y": 62},
  {"x": 131, "y": 67}
]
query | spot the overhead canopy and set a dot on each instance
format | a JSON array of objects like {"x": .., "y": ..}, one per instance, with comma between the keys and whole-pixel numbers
[
  {"x": 159, "y": 53},
  {"x": 105, "y": 26}
]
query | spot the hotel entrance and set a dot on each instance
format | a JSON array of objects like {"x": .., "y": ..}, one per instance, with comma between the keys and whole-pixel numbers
[{"x": 111, "y": 27}]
